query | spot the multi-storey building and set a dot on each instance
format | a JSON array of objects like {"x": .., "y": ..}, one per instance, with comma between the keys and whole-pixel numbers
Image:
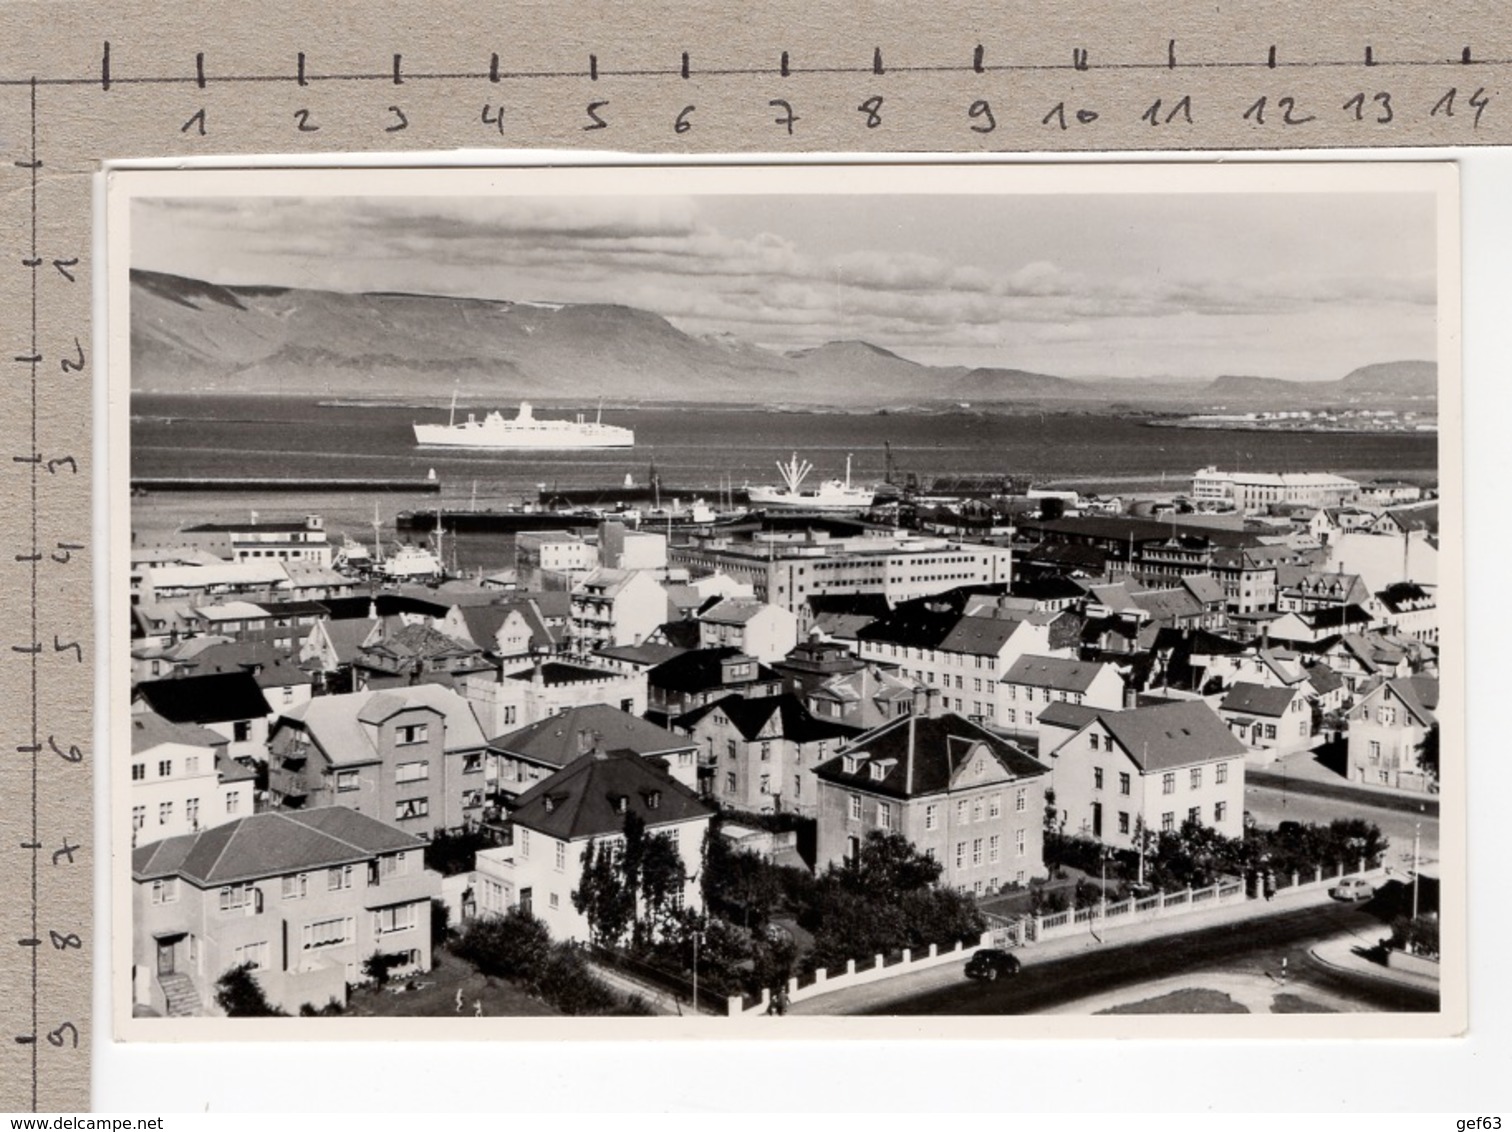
[
  {"x": 413, "y": 757},
  {"x": 182, "y": 781},
  {"x": 615, "y": 607},
  {"x": 301, "y": 541},
  {"x": 962, "y": 795},
  {"x": 304, "y": 898},
  {"x": 1034, "y": 682},
  {"x": 1386, "y": 733},
  {"x": 760, "y": 629},
  {"x": 1257, "y": 491}
]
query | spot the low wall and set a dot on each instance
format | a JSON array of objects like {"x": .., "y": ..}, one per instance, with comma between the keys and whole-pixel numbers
[
  {"x": 1413, "y": 964},
  {"x": 879, "y": 969}
]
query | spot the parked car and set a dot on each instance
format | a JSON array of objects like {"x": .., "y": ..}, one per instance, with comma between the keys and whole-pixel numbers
[
  {"x": 1353, "y": 889},
  {"x": 991, "y": 962}
]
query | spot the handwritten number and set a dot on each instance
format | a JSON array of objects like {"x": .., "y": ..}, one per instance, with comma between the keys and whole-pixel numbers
[
  {"x": 981, "y": 108},
  {"x": 1288, "y": 107},
  {"x": 1182, "y": 109},
  {"x": 67, "y": 851},
  {"x": 63, "y": 1033},
  {"x": 71, "y": 366},
  {"x": 63, "y": 265},
  {"x": 196, "y": 120},
  {"x": 1480, "y": 99},
  {"x": 402, "y": 124},
  {"x": 1357, "y": 104},
  {"x": 54, "y": 465},
  {"x": 788, "y": 118},
  {"x": 597, "y": 123},
  {"x": 496, "y": 120},
  {"x": 302, "y": 117},
  {"x": 72, "y": 755},
  {"x": 682, "y": 125},
  {"x": 871, "y": 108},
  {"x": 1058, "y": 112},
  {"x": 63, "y": 942}
]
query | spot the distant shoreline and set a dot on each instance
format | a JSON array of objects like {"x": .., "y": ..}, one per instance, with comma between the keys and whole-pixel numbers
[{"x": 1288, "y": 426}]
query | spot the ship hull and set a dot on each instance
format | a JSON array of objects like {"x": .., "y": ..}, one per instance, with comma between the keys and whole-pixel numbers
[
  {"x": 567, "y": 439},
  {"x": 825, "y": 501}
]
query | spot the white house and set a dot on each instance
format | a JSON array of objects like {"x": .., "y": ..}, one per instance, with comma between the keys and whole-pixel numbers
[
  {"x": 616, "y": 607},
  {"x": 181, "y": 780},
  {"x": 1271, "y": 721},
  {"x": 767, "y": 632},
  {"x": 1032, "y": 682},
  {"x": 1386, "y": 732}
]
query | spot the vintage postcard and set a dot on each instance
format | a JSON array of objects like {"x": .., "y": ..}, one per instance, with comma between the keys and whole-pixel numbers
[{"x": 763, "y": 601}]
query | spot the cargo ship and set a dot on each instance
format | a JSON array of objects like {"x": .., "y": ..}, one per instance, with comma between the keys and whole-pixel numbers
[{"x": 832, "y": 495}]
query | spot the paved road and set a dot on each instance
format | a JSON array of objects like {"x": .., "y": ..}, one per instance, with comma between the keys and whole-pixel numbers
[
  {"x": 1271, "y": 806},
  {"x": 1254, "y": 947}
]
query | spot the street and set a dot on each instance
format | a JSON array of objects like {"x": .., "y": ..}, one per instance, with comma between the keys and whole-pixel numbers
[
  {"x": 1272, "y": 805},
  {"x": 1254, "y": 946}
]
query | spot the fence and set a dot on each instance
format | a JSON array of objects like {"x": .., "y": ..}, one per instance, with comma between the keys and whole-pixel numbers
[{"x": 881, "y": 967}]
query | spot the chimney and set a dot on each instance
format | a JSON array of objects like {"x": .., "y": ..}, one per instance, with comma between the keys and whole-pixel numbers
[
  {"x": 909, "y": 768},
  {"x": 584, "y": 740}
]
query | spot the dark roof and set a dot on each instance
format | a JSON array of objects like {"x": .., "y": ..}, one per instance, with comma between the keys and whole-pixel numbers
[
  {"x": 295, "y": 608},
  {"x": 681, "y": 634},
  {"x": 913, "y": 627},
  {"x": 347, "y": 608},
  {"x": 286, "y": 527},
  {"x": 1121, "y": 529},
  {"x": 699, "y": 670},
  {"x": 565, "y": 737},
  {"x": 418, "y": 641},
  {"x": 1420, "y": 694},
  {"x": 1258, "y": 699},
  {"x": 1053, "y": 672},
  {"x": 1063, "y": 714},
  {"x": 1323, "y": 678},
  {"x": 980, "y": 636},
  {"x": 1050, "y": 588},
  {"x": 217, "y": 698},
  {"x": 922, "y": 754},
  {"x": 270, "y": 844},
  {"x": 583, "y": 799},
  {"x": 1172, "y": 734},
  {"x": 644, "y": 653},
  {"x": 270, "y": 667},
  {"x": 751, "y": 714},
  {"x": 555, "y": 673},
  {"x": 871, "y": 605},
  {"x": 1399, "y": 594}
]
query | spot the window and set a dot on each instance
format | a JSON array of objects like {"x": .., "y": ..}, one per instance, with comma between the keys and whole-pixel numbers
[
  {"x": 1092, "y": 738},
  {"x": 524, "y": 843},
  {"x": 1375, "y": 751},
  {"x": 730, "y": 782},
  {"x": 472, "y": 799},
  {"x": 233, "y": 801},
  {"x": 884, "y": 815},
  {"x": 1097, "y": 778},
  {"x": 509, "y": 715},
  {"x": 296, "y": 887},
  {"x": 346, "y": 780},
  {"x": 1270, "y": 730},
  {"x": 766, "y": 752},
  {"x": 1010, "y": 716},
  {"x": 165, "y": 891},
  {"x": 1124, "y": 782},
  {"x": 1196, "y": 778},
  {"x": 338, "y": 878},
  {"x": 328, "y": 933},
  {"x": 165, "y": 813},
  {"x": 1168, "y": 782},
  {"x": 995, "y": 806},
  {"x": 1220, "y": 773},
  {"x": 1195, "y": 815},
  {"x": 1220, "y": 811},
  {"x": 1020, "y": 843},
  {"x": 960, "y": 854},
  {"x": 1020, "y": 800},
  {"x": 1386, "y": 715},
  {"x": 963, "y": 812},
  {"x": 399, "y": 918},
  {"x": 1168, "y": 821},
  {"x": 855, "y": 807},
  {"x": 191, "y": 764},
  {"x": 473, "y": 763},
  {"x": 411, "y": 733},
  {"x": 191, "y": 812},
  {"x": 766, "y": 784},
  {"x": 976, "y": 807},
  {"x": 1123, "y": 821},
  {"x": 235, "y": 896},
  {"x": 241, "y": 730},
  {"x": 410, "y": 808},
  {"x": 138, "y": 772},
  {"x": 994, "y": 849},
  {"x": 931, "y": 816},
  {"x": 412, "y": 772},
  {"x": 253, "y": 953},
  {"x": 138, "y": 817},
  {"x": 165, "y": 768}
]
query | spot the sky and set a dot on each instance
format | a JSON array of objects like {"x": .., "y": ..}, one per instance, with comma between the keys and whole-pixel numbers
[{"x": 1190, "y": 286}]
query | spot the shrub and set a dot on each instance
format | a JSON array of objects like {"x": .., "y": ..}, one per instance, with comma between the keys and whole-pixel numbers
[
  {"x": 515, "y": 945},
  {"x": 1419, "y": 936},
  {"x": 240, "y": 996}
]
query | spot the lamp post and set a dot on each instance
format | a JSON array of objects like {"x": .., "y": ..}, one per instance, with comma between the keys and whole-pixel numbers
[
  {"x": 696, "y": 937},
  {"x": 1417, "y": 830}
]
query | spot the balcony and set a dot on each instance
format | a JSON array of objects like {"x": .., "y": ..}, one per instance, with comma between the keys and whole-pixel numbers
[{"x": 419, "y": 885}]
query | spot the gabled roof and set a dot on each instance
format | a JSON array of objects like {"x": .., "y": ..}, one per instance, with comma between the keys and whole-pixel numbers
[
  {"x": 1258, "y": 699},
  {"x": 1117, "y": 597},
  {"x": 750, "y": 715},
  {"x": 563, "y": 738},
  {"x": 1204, "y": 587},
  {"x": 700, "y": 669},
  {"x": 559, "y": 673},
  {"x": 646, "y": 654},
  {"x": 347, "y": 637},
  {"x": 276, "y": 843},
  {"x": 1323, "y": 678},
  {"x": 1052, "y": 588},
  {"x": 1420, "y": 695},
  {"x": 734, "y": 611},
  {"x": 912, "y": 627},
  {"x": 415, "y": 642},
  {"x": 684, "y": 634},
  {"x": 484, "y": 621},
  {"x": 230, "y": 611},
  {"x": 148, "y": 730},
  {"x": 1398, "y": 595},
  {"x": 1168, "y": 604},
  {"x": 338, "y": 724},
  {"x": 1053, "y": 672},
  {"x": 583, "y": 799},
  {"x": 1172, "y": 734},
  {"x": 270, "y": 667},
  {"x": 920, "y": 755},
  {"x": 980, "y": 636},
  {"x": 218, "y": 698},
  {"x": 385, "y": 604},
  {"x": 1063, "y": 714}
]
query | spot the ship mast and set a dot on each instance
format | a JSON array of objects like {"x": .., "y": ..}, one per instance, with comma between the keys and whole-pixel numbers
[
  {"x": 377, "y": 536},
  {"x": 451, "y": 421}
]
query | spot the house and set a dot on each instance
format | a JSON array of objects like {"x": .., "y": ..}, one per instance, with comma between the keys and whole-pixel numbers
[
  {"x": 1316, "y": 590},
  {"x": 182, "y": 780},
  {"x": 639, "y": 658},
  {"x": 1151, "y": 768},
  {"x": 414, "y": 654},
  {"x": 616, "y": 607},
  {"x": 283, "y": 680},
  {"x": 1315, "y": 625},
  {"x": 758, "y": 629},
  {"x": 229, "y": 703},
  {"x": 532, "y": 753},
  {"x": 300, "y": 541},
  {"x": 504, "y": 701},
  {"x": 505, "y": 631},
  {"x": 305, "y": 898},
  {"x": 868, "y": 697},
  {"x": 691, "y": 679},
  {"x": 1410, "y": 610},
  {"x": 812, "y": 662},
  {"x": 759, "y": 754},
  {"x": 960, "y": 794},
  {"x": 1034, "y": 681},
  {"x": 1328, "y": 688},
  {"x": 1362, "y": 658},
  {"x": 1386, "y": 732},
  {"x": 413, "y": 757},
  {"x": 584, "y": 804},
  {"x": 560, "y": 553},
  {"x": 1270, "y": 720}
]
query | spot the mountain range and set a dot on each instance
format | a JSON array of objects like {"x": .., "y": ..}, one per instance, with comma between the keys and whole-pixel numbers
[{"x": 192, "y": 336}]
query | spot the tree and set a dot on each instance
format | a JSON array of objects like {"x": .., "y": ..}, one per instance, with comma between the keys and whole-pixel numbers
[
  {"x": 440, "y": 922},
  {"x": 603, "y": 896},
  {"x": 515, "y": 945},
  {"x": 1428, "y": 753},
  {"x": 241, "y": 996},
  {"x": 888, "y": 862}
]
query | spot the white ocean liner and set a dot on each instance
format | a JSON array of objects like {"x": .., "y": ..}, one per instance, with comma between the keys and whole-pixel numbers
[
  {"x": 832, "y": 495},
  {"x": 524, "y": 431}
]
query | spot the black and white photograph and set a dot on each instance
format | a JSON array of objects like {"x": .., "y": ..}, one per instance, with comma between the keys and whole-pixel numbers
[{"x": 715, "y": 595}]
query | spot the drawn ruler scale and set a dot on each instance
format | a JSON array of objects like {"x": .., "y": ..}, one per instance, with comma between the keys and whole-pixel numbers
[{"x": 81, "y": 85}]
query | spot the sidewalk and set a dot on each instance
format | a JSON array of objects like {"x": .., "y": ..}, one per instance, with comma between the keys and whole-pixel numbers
[
  {"x": 1346, "y": 953},
  {"x": 855, "y": 999},
  {"x": 1302, "y": 773}
]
